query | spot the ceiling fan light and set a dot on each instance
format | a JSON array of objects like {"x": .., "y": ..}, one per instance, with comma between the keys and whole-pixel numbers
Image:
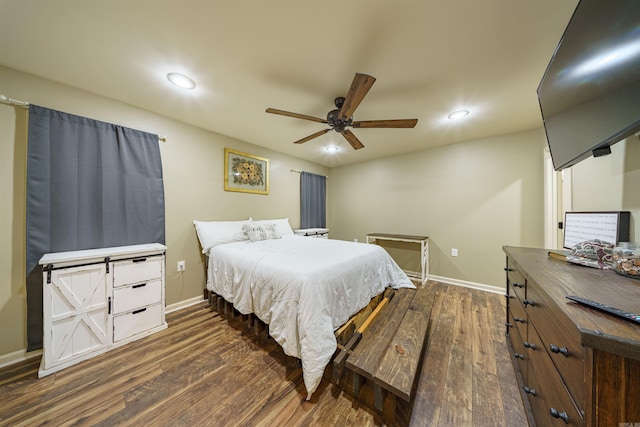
[
  {"x": 181, "y": 81},
  {"x": 456, "y": 115},
  {"x": 332, "y": 149}
]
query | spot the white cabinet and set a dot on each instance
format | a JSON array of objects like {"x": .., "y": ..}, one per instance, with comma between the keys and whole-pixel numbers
[{"x": 95, "y": 300}]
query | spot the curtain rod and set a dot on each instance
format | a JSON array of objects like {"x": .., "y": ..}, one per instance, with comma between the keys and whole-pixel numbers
[
  {"x": 10, "y": 101},
  {"x": 299, "y": 171}
]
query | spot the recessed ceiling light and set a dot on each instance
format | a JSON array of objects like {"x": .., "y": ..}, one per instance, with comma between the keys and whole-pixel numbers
[
  {"x": 181, "y": 80},
  {"x": 458, "y": 114}
]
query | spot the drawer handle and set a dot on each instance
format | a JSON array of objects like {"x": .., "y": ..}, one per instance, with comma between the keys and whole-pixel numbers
[
  {"x": 555, "y": 349},
  {"x": 531, "y": 391},
  {"x": 528, "y": 302},
  {"x": 517, "y": 319},
  {"x": 529, "y": 345},
  {"x": 518, "y": 356},
  {"x": 143, "y": 259},
  {"x": 508, "y": 296},
  {"x": 562, "y": 415},
  {"x": 141, "y": 285},
  {"x": 508, "y": 269},
  {"x": 139, "y": 311},
  {"x": 508, "y": 325},
  {"x": 518, "y": 285}
]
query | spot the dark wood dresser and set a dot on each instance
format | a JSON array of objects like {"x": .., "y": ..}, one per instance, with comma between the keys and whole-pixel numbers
[{"x": 575, "y": 365}]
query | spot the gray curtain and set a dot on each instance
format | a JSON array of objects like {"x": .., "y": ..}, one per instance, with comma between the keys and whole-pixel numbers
[
  {"x": 313, "y": 200},
  {"x": 90, "y": 184}
]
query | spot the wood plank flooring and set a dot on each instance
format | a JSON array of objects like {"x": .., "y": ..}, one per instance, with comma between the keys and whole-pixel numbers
[{"x": 206, "y": 370}]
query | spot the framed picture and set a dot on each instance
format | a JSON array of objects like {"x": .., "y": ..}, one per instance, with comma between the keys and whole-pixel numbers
[{"x": 245, "y": 173}]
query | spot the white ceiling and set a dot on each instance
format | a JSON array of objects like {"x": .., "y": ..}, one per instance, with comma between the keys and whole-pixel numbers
[{"x": 429, "y": 57}]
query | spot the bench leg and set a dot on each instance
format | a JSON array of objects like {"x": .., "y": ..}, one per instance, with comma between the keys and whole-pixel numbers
[
  {"x": 378, "y": 397},
  {"x": 356, "y": 384}
]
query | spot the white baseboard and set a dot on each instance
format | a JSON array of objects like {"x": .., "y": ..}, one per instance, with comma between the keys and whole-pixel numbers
[
  {"x": 472, "y": 285},
  {"x": 18, "y": 356},
  {"x": 183, "y": 304}
]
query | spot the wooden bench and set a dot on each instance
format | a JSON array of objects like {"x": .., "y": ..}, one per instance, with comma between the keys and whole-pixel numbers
[{"x": 390, "y": 352}]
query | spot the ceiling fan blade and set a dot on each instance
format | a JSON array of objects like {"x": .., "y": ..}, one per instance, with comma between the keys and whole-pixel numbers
[
  {"x": 359, "y": 88},
  {"x": 400, "y": 123},
  {"x": 296, "y": 115},
  {"x": 351, "y": 139},
  {"x": 315, "y": 135}
]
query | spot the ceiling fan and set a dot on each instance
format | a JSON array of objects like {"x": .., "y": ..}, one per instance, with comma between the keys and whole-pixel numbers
[{"x": 342, "y": 117}]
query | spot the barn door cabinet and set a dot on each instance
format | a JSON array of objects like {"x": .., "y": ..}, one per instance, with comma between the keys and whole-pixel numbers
[
  {"x": 575, "y": 365},
  {"x": 98, "y": 299}
]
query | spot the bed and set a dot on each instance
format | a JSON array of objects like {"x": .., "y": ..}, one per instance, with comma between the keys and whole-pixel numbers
[{"x": 303, "y": 288}]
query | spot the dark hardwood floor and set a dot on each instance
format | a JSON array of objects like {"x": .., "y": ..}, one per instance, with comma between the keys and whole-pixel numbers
[{"x": 207, "y": 370}]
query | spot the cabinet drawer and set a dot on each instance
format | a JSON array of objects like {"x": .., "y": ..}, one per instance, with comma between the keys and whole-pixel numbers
[
  {"x": 137, "y": 270},
  {"x": 517, "y": 317},
  {"x": 518, "y": 353},
  {"x": 127, "y": 298},
  {"x": 559, "y": 337},
  {"x": 137, "y": 321},
  {"x": 547, "y": 393},
  {"x": 516, "y": 280}
]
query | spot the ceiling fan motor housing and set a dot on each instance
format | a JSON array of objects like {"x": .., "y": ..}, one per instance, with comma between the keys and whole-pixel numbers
[{"x": 333, "y": 117}]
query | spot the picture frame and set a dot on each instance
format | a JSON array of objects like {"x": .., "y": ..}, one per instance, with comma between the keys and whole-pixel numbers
[{"x": 245, "y": 173}]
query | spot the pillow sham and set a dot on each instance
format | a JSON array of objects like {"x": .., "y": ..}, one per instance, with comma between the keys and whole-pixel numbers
[
  {"x": 214, "y": 233},
  {"x": 282, "y": 225},
  {"x": 261, "y": 232}
]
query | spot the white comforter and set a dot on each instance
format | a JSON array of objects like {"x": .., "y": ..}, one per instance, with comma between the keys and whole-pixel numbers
[{"x": 303, "y": 288}]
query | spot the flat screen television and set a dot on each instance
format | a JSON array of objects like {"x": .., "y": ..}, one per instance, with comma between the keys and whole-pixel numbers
[{"x": 590, "y": 93}]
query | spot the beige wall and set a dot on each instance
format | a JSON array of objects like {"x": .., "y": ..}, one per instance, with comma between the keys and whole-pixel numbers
[
  {"x": 474, "y": 196},
  {"x": 193, "y": 178},
  {"x": 610, "y": 183}
]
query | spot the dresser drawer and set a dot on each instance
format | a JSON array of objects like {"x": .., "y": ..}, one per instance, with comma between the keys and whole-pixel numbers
[
  {"x": 517, "y": 317},
  {"x": 516, "y": 281},
  {"x": 136, "y": 270},
  {"x": 518, "y": 353},
  {"x": 561, "y": 341},
  {"x": 547, "y": 393},
  {"x": 137, "y": 321},
  {"x": 127, "y": 298}
]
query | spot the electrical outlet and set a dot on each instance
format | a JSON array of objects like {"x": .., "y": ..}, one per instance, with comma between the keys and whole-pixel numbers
[
  {"x": 454, "y": 252},
  {"x": 181, "y": 266}
]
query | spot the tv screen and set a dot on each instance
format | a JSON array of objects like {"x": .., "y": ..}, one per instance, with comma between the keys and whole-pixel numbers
[{"x": 590, "y": 93}]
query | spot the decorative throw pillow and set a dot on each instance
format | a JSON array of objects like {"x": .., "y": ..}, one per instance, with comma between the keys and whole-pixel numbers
[{"x": 261, "y": 232}]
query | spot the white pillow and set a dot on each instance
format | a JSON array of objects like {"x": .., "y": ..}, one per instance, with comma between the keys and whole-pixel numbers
[
  {"x": 282, "y": 225},
  {"x": 214, "y": 233},
  {"x": 261, "y": 232}
]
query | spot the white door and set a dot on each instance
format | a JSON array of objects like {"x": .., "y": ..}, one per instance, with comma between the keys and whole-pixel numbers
[
  {"x": 76, "y": 308},
  {"x": 557, "y": 201}
]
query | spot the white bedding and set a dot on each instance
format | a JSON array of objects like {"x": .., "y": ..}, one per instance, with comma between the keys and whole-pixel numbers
[{"x": 303, "y": 288}]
